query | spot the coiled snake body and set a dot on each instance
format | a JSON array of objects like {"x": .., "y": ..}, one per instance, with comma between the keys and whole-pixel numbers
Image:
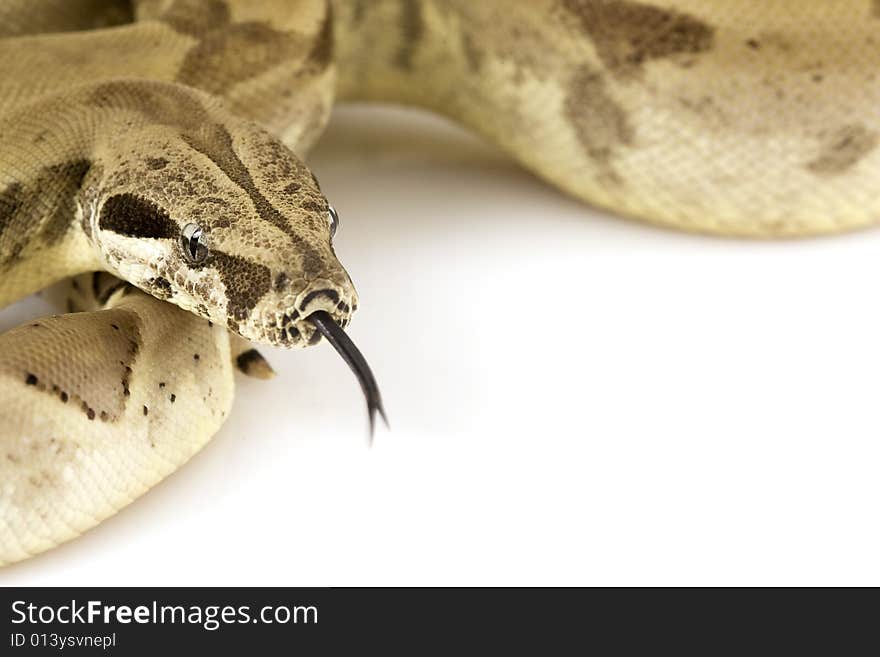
[{"x": 160, "y": 142}]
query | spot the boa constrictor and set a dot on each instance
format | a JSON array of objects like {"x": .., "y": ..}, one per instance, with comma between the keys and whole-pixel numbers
[{"x": 159, "y": 141}]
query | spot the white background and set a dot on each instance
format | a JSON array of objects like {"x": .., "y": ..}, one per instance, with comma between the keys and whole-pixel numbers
[{"x": 575, "y": 399}]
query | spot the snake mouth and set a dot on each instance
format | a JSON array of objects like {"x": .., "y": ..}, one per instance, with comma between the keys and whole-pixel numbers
[
  {"x": 283, "y": 321},
  {"x": 322, "y": 310},
  {"x": 323, "y": 313}
]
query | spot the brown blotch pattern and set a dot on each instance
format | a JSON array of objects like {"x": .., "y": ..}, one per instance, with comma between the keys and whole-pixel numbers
[
  {"x": 359, "y": 11},
  {"x": 473, "y": 54},
  {"x": 135, "y": 216},
  {"x": 601, "y": 125},
  {"x": 321, "y": 54},
  {"x": 70, "y": 352},
  {"x": 164, "y": 104},
  {"x": 245, "y": 283},
  {"x": 39, "y": 213},
  {"x": 412, "y": 29},
  {"x": 215, "y": 142},
  {"x": 82, "y": 15},
  {"x": 156, "y": 163},
  {"x": 68, "y": 179},
  {"x": 627, "y": 34},
  {"x": 237, "y": 53},
  {"x": 844, "y": 149},
  {"x": 194, "y": 17}
]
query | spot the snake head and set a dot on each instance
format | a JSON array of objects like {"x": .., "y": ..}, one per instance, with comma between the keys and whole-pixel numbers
[
  {"x": 224, "y": 221},
  {"x": 217, "y": 216}
]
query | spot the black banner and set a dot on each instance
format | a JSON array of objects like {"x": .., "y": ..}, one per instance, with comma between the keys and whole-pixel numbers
[{"x": 44, "y": 621}]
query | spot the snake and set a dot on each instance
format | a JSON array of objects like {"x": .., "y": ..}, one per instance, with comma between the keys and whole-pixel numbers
[{"x": 153, "y": 180}]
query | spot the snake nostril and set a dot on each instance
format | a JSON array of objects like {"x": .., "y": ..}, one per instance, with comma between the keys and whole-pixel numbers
[{"x": 332, "y": 295}]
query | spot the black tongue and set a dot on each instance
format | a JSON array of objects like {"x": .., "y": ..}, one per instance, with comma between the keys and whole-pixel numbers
[{"x": 351, "y": 354}]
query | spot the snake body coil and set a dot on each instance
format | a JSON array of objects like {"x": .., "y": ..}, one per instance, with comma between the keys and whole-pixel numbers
[{"x": 160, "y": 141}]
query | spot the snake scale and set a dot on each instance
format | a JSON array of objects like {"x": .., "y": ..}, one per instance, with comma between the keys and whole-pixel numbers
[{"x": 151, "y": 170}]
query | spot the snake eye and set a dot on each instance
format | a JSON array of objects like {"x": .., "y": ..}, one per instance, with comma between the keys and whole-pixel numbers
[
  {"x": 193, "y": 244},
  {"x": 333, "y": 219}
]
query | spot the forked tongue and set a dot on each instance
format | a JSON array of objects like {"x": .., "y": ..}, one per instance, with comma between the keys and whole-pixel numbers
[{"x": 356, "y": 361}]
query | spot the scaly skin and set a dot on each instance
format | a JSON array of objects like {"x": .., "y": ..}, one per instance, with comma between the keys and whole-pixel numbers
[
  {"x": 752, "y": 119},
  {"x": 111, "y": 402},
  {"x": 735, "y": 118}
]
